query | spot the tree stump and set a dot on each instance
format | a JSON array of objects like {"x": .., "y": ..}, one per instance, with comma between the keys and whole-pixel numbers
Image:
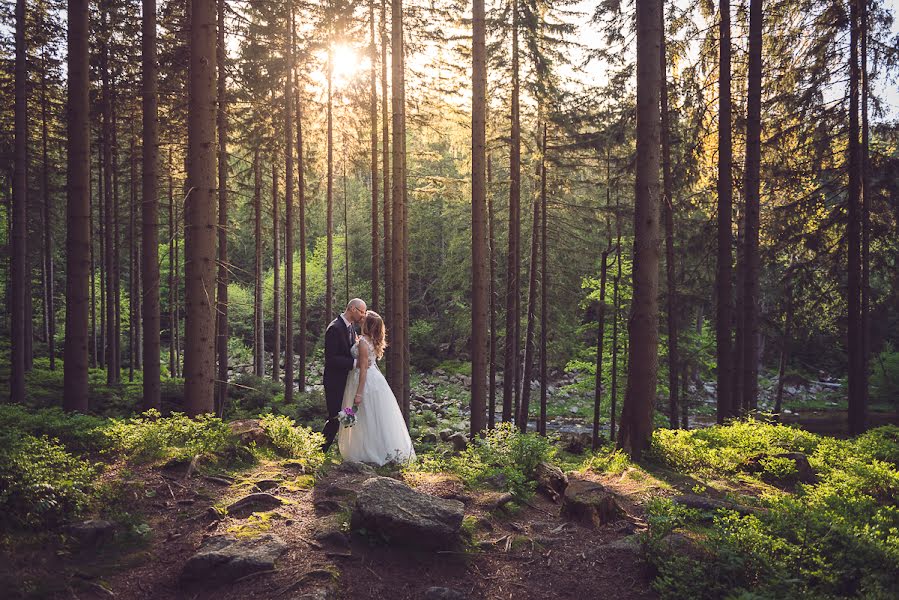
[{"x": 590, "y": 504}]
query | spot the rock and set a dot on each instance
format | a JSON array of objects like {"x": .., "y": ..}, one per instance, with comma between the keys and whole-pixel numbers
[
  {"x": 350, "y": 467},
  {"x": 249, "y": 431},
  {"x": 551, "y": 480},
  {"x": 575, "y": 442},
  {"x": 445, "y": 434},
  {"x": 466, "y": 381},
  {"x": 93, "y": 532},
  {"x": 253, "y": 503},
  {"x": 804, "y": 471},
  {"x": 428, "y": 437},
  {"x": 402, "y": 515},
  {"x": 590, "y": 504},
  {"x": 443, "y": 593},
  {"x": 459, "y": 441},
  {"x": 630, "y": 543},
  {"x": 222, "y": 558},
  {"x": 268, "y": 484}
]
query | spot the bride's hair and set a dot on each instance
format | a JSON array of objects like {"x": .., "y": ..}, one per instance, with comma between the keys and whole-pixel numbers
[{"x": 373, "y": 327}]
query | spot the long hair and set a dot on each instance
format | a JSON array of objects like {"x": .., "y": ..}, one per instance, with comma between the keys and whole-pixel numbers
[{"x": 373, "y": 327}]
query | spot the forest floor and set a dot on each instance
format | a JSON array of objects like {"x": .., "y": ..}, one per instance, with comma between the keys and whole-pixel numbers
[{"x": 529, "y": 551}]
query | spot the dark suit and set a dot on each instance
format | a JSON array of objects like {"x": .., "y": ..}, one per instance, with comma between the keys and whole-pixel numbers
[{"x": 338, "y": 364}]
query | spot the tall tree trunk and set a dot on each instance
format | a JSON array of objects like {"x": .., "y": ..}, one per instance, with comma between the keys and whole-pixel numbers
[
  {"x": 739, "y": 316},
  {"x": 616, "y": 315},
  {"x": 150, "y": 210},
  {"x": 78, "y": 216},
  {"x": 19, "y": 271},
  {"x": 288, "y": 212},
  {"x": 116, "y": 237},
  {"x": 346, "y": 225},
  {"x": 199, "y": 249},
  {"x": 276, "y": 291},
  {"x": 173, "y": 323},
  {"x": 544, "y": 286},
  {"x": 387, "y": 190},
  {"x": 49, "y": 267},
  {"x": 101, "y": 220},
  {"x": 784, "y": 353},
  {"x": 258, "y": 323},
  {"x": 491, "y": 385},
  {"x": 92, "y": 348},
  {"x": 752, "y": 194},
  {"x": 329, "y": 223},
  {"x": 513, "y": 266},
  {"x": 221, "y": 296},
  {"x": 723, "y": 283},
  {"x": 636, "y": 416},
  {"x": 857, "y": 408},
  {"x": 668, "y": 208},
  {"x": 399, "y": 296},
  {"x": 373, "y": 116},
  {"x": 600, "y": 338},
  {"x": 108, "y": 229},
  {"x": 524, "y": 406},
  {"x": 479, "y": 267},
  {"x": 866, "y": 208},
  {"x": 301, "y": 201},
  {"x": 133, "y": 297}
]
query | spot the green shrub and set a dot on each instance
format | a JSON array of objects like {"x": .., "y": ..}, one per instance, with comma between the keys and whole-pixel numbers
[
  {"x": 423, "y": 342},
  {"x": 41, "y": 484},
  {"x": 505, "y": 457},
  {"x": 249, "y": 394},
  {"x": 152, "y": 436},
  {"x": 76, "y": 431},
  {"x": 885, "y": 377},
  {"x": 300, "y": 443}
]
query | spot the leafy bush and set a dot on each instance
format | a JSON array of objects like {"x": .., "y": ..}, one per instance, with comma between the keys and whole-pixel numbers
[
  {"x": 301, "y": 443},
  {"x": 152, "y": 436},
  {"x": 505, "y": 457},
  {"x": 249, "y": 394},
  {"x": 423, "y": 342},
  {"x": 41, "y": 484},
  {"x": 836, "y": 538},
  {"x": 77, "y": 432},
  {"x": 885, "y": 377},
  {"x": 610, "y": 460}
]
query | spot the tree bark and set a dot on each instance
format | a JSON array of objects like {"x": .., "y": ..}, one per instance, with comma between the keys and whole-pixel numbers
[
  {"x": 524, "y": 406},
  {"x": 133, "y": 296},
  {"x": 288, "y": 212},
  {"x": 116, "y": 238},
  {"x": 221, "y": 296},
  {"x": 78, "y": 216},
  {"x": 600, "y": 338},
  {"x": 387, "y": 190},
  {"x": 491, "y": 402},
  {"x": 616, "y": 312},
  {"x": 329, "y": 223},
  {"x": 373, "y": 116},
  {"x": 513, "y": 291},
  {"x": 301, "y": 201},
  {"x": 108, "y": 229},
  {"x": 636, "y": 417},
  {"x": 276, "y": 263},
  {"x": 173, "y": 323},
  {"x": 784, "y": 353},
  {"x": 857, "y": 384},
  {"x": 48, "y": 225},
  {"x": 150, "y": 210},
  {"x": 752, "y": 194},
  {"x": 199, "y": 249},
  {"x": 19, "y": 270},
  {"x": 544, "y": 286},
  {"x": 668, "y": 210},
  {"x": 865, "y": 208},
  {"x": 258, "y": 323},
  {"x": 723, "y": 280},
  {"x": 479, "y": 267}
]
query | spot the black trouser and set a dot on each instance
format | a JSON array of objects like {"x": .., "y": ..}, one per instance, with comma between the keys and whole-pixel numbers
[{"x": 333, "y": 400}]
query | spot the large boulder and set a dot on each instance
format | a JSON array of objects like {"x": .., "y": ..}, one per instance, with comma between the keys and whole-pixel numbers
[
  {"x": 249, "y": 431},
  {"x": 223, "y": 559},
  {"x": 590, "y": 504},
  {"x": 400, "y": 514}
]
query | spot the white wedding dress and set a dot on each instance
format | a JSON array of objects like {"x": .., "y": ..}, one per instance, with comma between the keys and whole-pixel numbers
[{"x": 380, "y": 434}]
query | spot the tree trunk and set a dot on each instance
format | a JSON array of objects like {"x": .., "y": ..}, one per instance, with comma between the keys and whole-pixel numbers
[
  {"x": 133, "y": 297},
  {"x": 116, "y": 237},
  {"x": 150, "y": 211},
  {"x": 865, "y": 208},
  {"x": 752, "y": 194},
  {"x": 636, "y": 416},
  {"x": 600, "y": 338},
  {"x": 857, "y": 384},
  {"x": 173, "y": 323},
  {"x": 301, "y": 201},
  {"x": 258, "y": 323},
  {"x": 373, "y": 116},
  {"x": 479, "y": 267},
  {"x": 199, "y": 249},
  {"x": 524, "y": 406},
  {"x": 491, "y": 403},
  {"x": 387, "y": 193},
  {"x": 346, "y": 225},
  {"x": 288, "y": 213},
  {"x": 101, "y": 220},
  {"x": 19, "y": 271},
  {"x": 329, "y": 223},
  {"x": 108, "y": 230},
  {"x": 544, "y": 285},
  {"x": 784, "y": 353},
  {"x": 276, "y": 263},
  {"x": 723, "y": 283},
  {"x": 668, "y": 209},
  {"x": 92, "y": 348},
  {"x": 399, "y": 296},
  {"x": 513, "y": 292},
  {"x": 49, "y": 267},
  {"x": 78, "y": 216},
  {"x": 221, "y": 295},
  {"x": 616, "y": 310}
]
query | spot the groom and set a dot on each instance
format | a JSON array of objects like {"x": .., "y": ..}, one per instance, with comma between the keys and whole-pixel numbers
[{"x": 339, "y": 338}]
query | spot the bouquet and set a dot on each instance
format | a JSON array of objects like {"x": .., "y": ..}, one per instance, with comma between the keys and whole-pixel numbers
[{"x": 347, "y": 417}]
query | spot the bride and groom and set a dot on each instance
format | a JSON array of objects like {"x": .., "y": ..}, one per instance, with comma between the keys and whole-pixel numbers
[{"x": 352, "y": 380}]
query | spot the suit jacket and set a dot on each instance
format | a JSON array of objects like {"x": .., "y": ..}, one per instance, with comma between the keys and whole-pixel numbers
[{"x": 338, "y": 363}]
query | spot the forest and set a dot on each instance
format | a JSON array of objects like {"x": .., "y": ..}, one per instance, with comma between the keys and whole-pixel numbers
[{"x": 638, "y": 263}]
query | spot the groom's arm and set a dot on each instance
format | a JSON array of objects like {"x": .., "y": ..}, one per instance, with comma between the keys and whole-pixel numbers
[{"x": 333, "y": 357}]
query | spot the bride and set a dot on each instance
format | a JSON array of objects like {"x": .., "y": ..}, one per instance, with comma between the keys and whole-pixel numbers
[{"x": 379, "y": 435}]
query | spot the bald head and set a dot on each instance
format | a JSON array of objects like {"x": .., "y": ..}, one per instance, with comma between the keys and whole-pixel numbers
[{"x": 355, "y": 310}]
